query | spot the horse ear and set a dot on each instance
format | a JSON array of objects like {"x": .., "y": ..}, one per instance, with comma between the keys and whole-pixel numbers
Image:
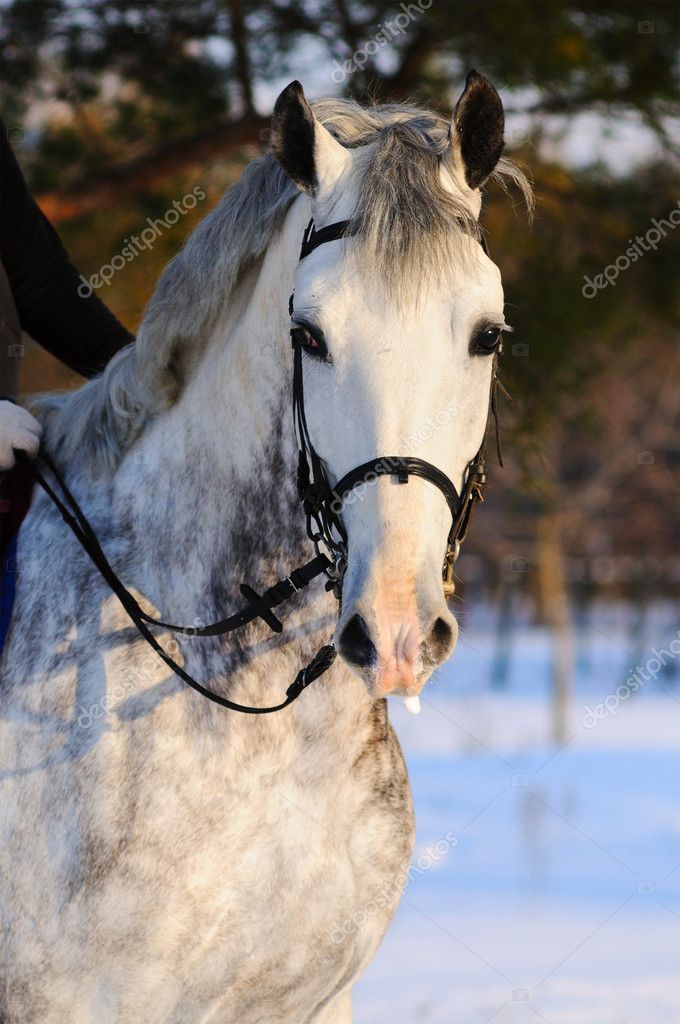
[
  {"x": 478, "y": 124},
  {"x": 306, "y": 150}
]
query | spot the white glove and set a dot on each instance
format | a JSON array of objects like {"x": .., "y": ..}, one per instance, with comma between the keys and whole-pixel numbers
[{"x": 18, "y": 429}]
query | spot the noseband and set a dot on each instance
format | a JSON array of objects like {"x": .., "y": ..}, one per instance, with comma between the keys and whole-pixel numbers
[{"x": 322, "y": 504}]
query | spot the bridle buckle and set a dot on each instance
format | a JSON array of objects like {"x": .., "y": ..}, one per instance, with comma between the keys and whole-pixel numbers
[{"x": 448, "y": 577}]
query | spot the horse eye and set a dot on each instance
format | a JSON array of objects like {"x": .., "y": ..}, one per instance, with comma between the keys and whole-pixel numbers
[
  {"x": 485, "y": 342},
  {"x": 309, "y": 341}
]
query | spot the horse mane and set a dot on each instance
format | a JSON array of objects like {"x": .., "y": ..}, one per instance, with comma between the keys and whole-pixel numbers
[{"x": 404, "y": 215}]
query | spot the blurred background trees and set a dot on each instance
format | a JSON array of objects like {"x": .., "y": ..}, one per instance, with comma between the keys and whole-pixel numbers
[{"x": 118, "y": 107}]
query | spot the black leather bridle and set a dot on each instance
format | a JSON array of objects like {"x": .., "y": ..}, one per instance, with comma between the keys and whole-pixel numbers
[{"x": 322, "y": 504}]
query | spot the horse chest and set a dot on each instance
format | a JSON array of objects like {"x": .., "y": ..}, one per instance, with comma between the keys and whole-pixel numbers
[
  {"x": 207, "y": 884},
  {"x": 157, "y": 874}
]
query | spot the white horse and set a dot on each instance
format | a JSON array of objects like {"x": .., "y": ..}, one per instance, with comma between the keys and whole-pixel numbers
[{"x": 163, "y": 860}]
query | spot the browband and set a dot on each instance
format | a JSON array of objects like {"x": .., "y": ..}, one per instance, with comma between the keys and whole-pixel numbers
[{"x": 312, "y": 238}]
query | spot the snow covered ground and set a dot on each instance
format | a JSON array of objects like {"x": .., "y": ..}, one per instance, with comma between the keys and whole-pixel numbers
[{"x": 546, "y": 882}]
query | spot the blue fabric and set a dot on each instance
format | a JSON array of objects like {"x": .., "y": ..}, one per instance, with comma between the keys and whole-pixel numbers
[{"x": 8, "y": 580}]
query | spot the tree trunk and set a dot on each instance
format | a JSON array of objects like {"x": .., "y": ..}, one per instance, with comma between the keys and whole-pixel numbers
[
  {"x": 500, "y": 667},
  {"x": 242, "y": 68},
  {"x": 555, "y": 605}
]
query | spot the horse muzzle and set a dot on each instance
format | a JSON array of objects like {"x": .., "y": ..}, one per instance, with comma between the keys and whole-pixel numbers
[{"x": 387, "y": 644}]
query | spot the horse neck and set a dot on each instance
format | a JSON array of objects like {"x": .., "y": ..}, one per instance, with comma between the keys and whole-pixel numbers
[{"x": 227, "y": 447}]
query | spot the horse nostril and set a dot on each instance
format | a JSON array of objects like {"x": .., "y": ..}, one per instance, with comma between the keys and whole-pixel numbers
[
  {"x": 355, "y": 644},
  {"x": 438, "y": 642}
]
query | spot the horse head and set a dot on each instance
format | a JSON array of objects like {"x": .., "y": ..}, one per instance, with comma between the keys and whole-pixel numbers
[{"x": 399, "y": 323}]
